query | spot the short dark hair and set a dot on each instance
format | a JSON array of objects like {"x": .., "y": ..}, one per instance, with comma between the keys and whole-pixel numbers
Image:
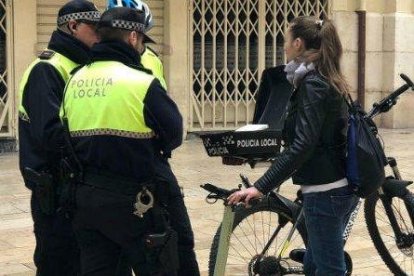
[{"x": 109, "y": 34}]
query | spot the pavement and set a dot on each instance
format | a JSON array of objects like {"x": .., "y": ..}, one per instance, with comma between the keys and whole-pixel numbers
[{"x": 192, "y": 167}]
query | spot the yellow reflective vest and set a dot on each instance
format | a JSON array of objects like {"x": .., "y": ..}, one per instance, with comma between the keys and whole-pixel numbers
[
  {"x": 107, "y": 98},
  {"x": 61, "y": 63},
  {"x": 151, "y": 61}
]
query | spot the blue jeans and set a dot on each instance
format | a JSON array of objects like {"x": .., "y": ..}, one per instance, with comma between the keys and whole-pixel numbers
[{"x": 326, "y": 215}]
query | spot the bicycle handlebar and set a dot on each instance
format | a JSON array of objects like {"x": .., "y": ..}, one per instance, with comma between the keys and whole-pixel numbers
[
  {"x": 407, "y": 80},
  {"x": 385, "y": 104},
  {"x": 216, "y": 192},
  {"x": 220, "y": 193}
]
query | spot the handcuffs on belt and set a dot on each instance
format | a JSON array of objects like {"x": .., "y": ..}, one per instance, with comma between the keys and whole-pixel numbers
[{"x": 145, "y": 201}]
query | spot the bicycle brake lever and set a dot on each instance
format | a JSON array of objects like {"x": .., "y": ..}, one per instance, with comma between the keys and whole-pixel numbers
[
  {"x": 245, "y": 181},
  {"x": 211, "y": 199}
]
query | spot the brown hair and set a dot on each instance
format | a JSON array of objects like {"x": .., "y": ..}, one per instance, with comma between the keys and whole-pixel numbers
[{"x": 322, "y": 47}]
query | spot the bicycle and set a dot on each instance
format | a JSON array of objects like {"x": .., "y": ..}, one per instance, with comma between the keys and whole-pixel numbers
[{"x": 275, "y": 223}]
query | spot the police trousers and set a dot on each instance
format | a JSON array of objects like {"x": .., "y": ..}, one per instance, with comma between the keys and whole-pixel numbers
[
  {"x": 56, "y": 251},
  {"x": 105, "y": 226},
  {"x": 179, "y": 221}
]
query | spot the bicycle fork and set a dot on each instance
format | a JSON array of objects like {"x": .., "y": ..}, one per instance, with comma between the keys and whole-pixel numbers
[
  {"x": 224, "y": 242},
  {"x": 386, "y": 197}
]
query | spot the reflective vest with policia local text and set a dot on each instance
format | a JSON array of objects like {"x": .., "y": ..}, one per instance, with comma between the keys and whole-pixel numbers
[
  {"x": 61, "y": 63},
  {"x": 107, "y": 98}
]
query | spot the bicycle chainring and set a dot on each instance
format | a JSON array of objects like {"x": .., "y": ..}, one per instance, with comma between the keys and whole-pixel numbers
[
  {"x": 405, "y": 244},
  {"x": 265, "y": 266}
]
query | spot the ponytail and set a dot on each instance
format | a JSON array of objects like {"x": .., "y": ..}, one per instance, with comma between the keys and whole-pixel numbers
[{"x": 322, "y": 47}]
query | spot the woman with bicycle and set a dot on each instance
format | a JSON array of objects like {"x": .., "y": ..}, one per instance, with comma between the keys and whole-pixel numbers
[{"x": 315, "y": 137}]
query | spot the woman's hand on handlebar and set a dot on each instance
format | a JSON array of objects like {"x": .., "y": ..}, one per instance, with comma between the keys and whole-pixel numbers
[{"x": 244, "y": 195}]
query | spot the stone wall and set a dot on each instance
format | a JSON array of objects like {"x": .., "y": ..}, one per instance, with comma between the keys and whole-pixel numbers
[
  {"x": 398, "y": 57},
  {"x": 389, "y": 52}
]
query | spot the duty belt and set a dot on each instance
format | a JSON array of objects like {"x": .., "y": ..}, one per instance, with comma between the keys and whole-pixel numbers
[{"x": 114, "y": 183}]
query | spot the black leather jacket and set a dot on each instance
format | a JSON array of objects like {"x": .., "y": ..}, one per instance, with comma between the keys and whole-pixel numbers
[{"x": 315, "y": 136}]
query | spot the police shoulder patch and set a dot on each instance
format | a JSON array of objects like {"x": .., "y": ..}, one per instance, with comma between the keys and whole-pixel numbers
[{"x": 46, "y": 54}]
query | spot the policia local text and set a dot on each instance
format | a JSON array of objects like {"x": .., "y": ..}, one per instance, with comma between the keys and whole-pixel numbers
[{"x": 90, "y": 87}]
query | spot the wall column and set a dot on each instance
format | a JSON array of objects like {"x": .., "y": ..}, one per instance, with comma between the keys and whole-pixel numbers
[
  {"x": 346, "y": 22},
  {"x": 25, "y": 37},
  {"x": 176, "y": 62},
  {"x": 23, "y": 41},
  {"x": 398, "y": 49}
]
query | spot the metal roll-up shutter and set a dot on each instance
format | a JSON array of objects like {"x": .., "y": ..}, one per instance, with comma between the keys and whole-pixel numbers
[
  {"x": 7, "y": 122},
  {"x": 232, "y": 42}
]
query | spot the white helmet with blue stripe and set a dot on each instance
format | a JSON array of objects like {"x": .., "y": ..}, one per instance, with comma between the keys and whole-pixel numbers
[{"x": 135, "y": 4}]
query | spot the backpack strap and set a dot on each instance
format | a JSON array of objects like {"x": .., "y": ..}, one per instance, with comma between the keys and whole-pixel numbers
[{"x": 348, "y": 100}]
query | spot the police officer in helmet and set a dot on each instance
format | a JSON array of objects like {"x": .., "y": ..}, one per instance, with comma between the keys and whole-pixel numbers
[
  {"x": 41, "y": 134},
  {"x": 119, "y": 116},
  {"x": 149, "y": 58},
  {"x": 179, "y": 219}
]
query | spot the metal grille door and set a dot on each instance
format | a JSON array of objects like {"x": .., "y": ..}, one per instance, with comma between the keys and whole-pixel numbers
[
  {"x": 232, "y": 43},
  {"x": 7, "y": 99}
]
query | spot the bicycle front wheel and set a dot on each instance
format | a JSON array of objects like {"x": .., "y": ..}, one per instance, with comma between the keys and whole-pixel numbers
[
  {"x": 393, "y": 241},
  {"x": 252, "y": 229}
]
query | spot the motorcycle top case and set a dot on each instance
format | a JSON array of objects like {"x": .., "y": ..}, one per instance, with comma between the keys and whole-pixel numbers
[{"x": 243, "y": 144}]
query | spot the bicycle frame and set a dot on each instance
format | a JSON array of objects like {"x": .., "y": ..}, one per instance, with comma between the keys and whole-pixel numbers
[
  {"x": 228, "y": 220},
  {"x": 229, "y": 215},
  {"x": 227, "y": 229},
  {"x": 224, "y": 243}
]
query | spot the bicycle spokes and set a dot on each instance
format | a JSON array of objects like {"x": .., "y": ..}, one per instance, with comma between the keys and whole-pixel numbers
[
  {"x": 396, "y": 230},
  {"x": 254, "y": 234}
]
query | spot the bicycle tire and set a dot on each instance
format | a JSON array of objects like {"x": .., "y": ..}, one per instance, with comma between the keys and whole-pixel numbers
[
  {"x": 244, "y": 213},
  {"x": 375, "y": 217}
]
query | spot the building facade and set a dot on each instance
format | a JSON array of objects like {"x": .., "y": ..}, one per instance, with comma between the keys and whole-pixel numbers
[{"x": 215, "y": 50}]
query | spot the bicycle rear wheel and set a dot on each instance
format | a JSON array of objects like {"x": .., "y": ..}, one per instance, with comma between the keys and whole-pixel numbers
[
  {"x": 396, "y": 250},
  {"x": 252, "y": 229}
]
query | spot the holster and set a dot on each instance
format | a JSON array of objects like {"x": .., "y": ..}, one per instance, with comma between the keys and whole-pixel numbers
[
  {"x": 45, "y": 190},
  {"x": 162, "y": 251},
  {"x": 161, "y": 244},
  {"x": 67, "y": 188}
]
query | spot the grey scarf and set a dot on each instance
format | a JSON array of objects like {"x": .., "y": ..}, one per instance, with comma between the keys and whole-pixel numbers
[{"x": 295, "y": 71}]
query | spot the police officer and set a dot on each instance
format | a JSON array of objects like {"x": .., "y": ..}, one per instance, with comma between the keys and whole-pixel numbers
[
  {"x": 119, "y": 116},
  {"x": 149, "y": 58},
  {"x": 41, "y": 133},
  {"x": 180, "y": 220}
]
